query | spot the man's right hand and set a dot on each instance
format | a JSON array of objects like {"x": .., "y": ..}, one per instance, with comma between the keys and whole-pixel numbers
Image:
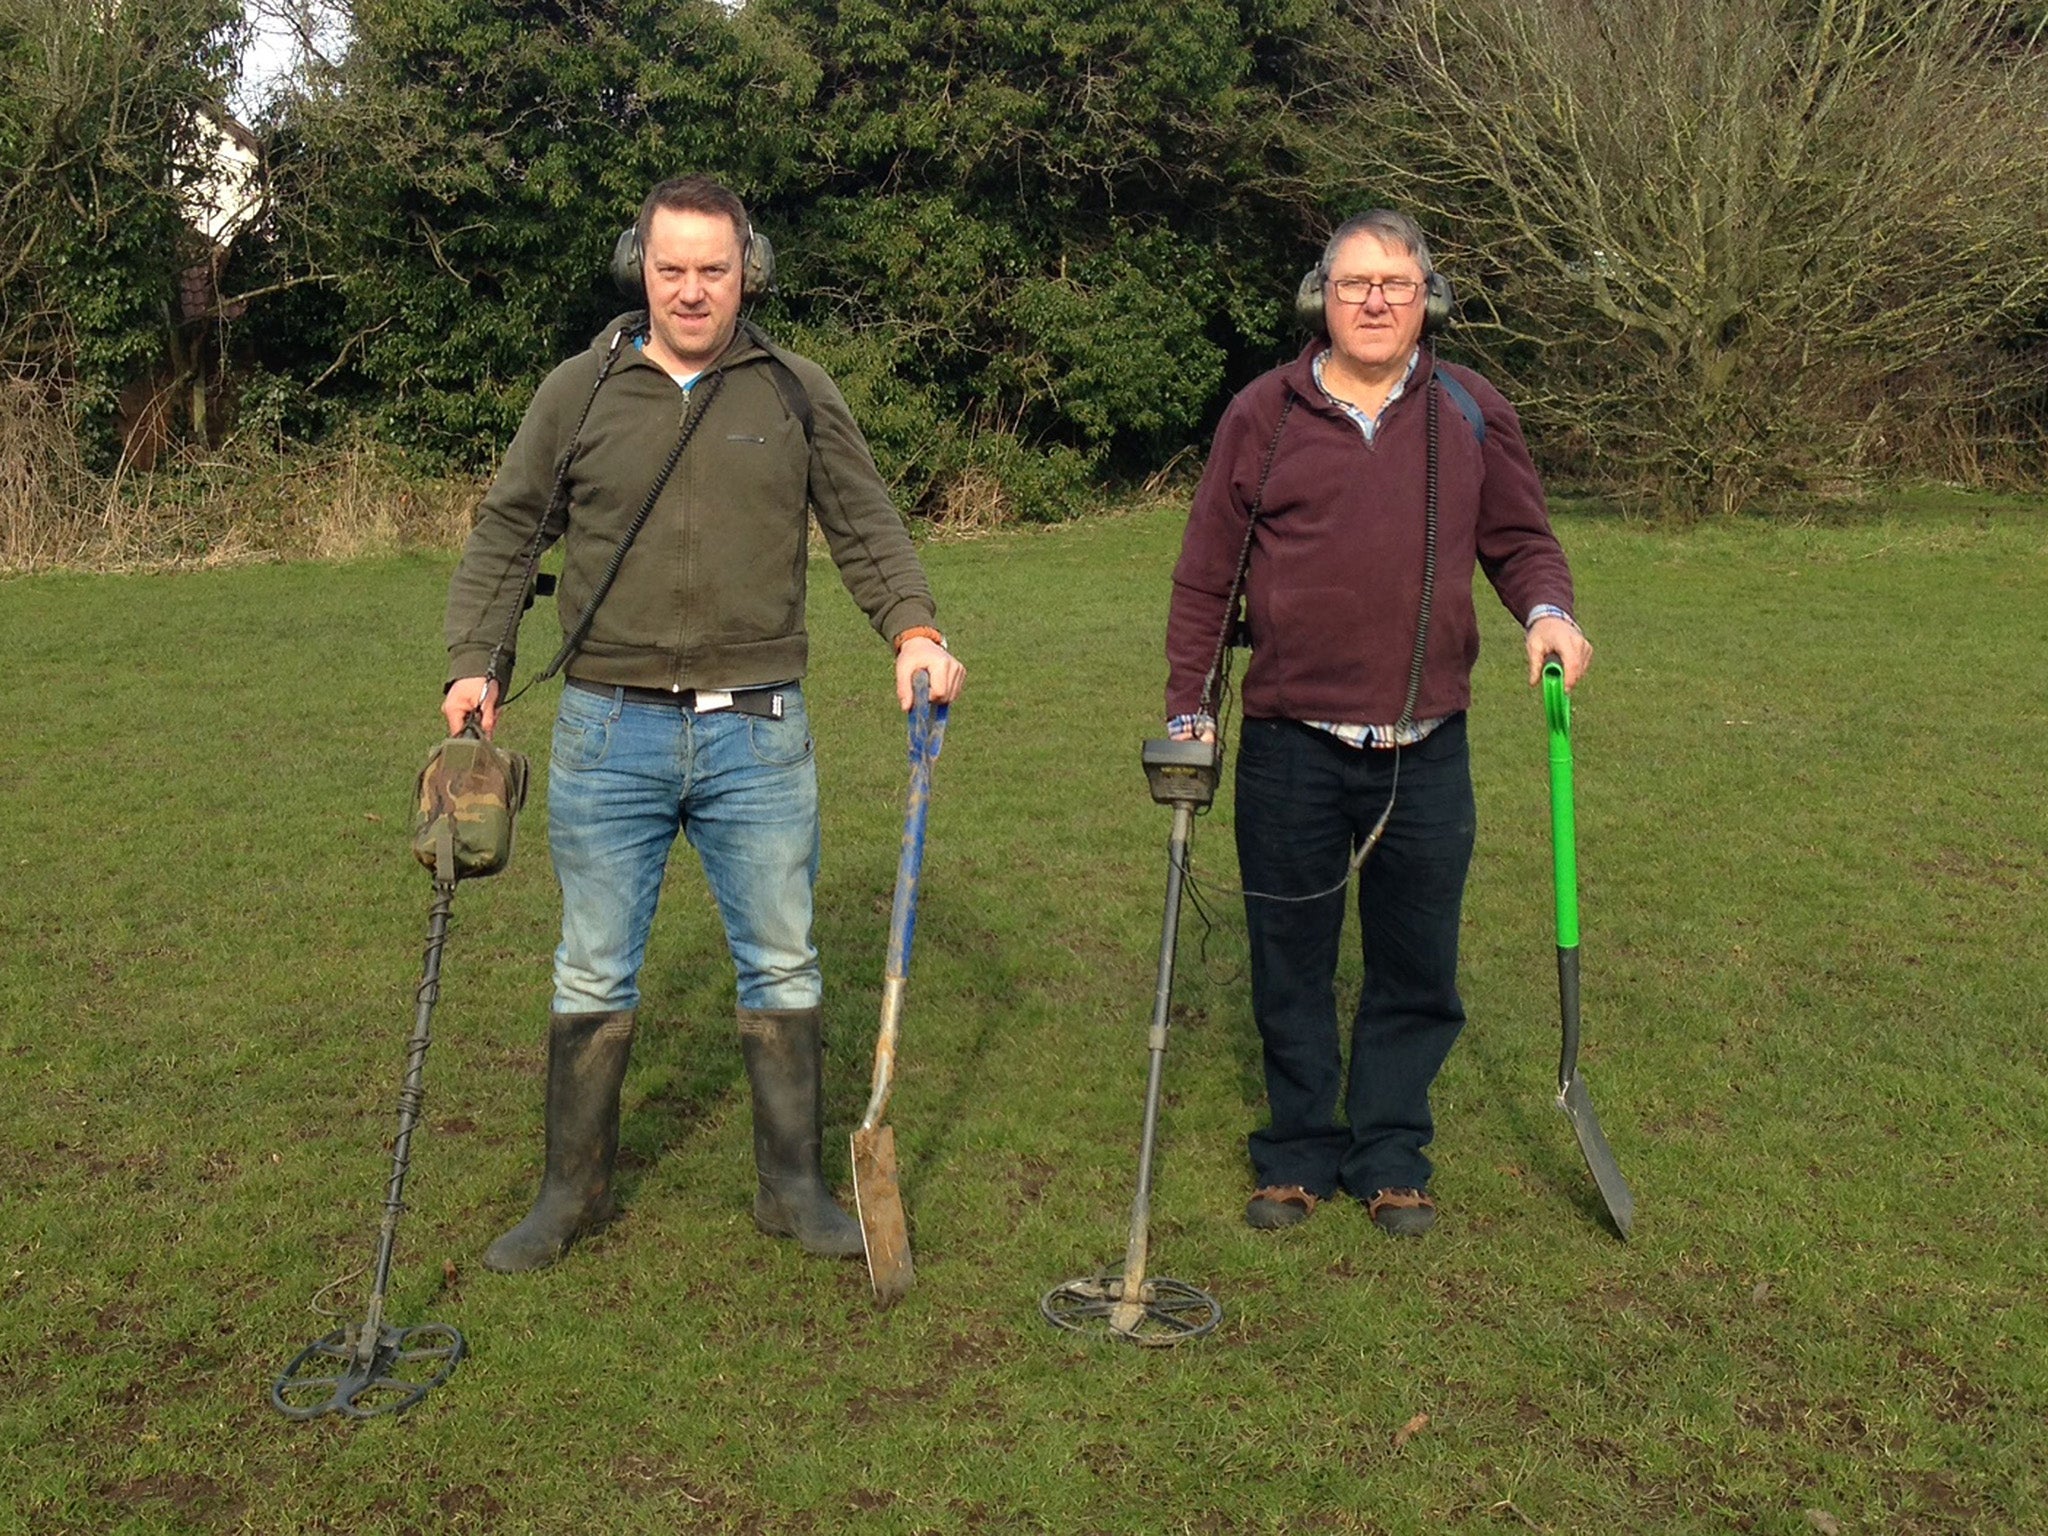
[{"x": 463, "y": 696}]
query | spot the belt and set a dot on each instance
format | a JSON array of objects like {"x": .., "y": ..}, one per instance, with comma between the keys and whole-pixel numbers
[{"x": 767, "y": 703}]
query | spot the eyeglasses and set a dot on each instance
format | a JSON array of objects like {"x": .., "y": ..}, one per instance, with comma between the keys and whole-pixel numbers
[{"x": 1395, "y": 290}]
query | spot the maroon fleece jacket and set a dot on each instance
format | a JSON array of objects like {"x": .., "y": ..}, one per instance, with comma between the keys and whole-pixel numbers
[{"x": 1335, "y": 580}]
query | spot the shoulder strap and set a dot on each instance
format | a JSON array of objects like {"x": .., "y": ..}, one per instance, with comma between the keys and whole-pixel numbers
[
  {"x": 795, "y": 398},
  {"x": 1461, "y": 397}
]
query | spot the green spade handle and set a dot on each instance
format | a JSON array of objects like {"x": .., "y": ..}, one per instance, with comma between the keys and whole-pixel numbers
[{"x": 1557, "y": 709}]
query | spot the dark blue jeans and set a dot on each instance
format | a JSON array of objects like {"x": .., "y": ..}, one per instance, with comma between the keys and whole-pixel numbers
[{"x": 1305, "y": 801}]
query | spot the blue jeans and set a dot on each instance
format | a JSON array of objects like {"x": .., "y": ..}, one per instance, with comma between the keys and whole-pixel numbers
[
  {"x": 623, "y": 779},
  {"x": 1305, "y": 800}
]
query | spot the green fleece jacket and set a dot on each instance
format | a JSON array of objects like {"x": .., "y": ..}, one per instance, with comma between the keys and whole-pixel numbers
[{"x": 711, "y": 594}]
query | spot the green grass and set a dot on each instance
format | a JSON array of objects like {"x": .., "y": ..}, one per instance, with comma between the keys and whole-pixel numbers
[{"x": 1810, "y": 837}]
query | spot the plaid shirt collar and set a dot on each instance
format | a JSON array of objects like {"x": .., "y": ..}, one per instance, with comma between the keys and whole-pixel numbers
[{"x": 1367, "y": 424}]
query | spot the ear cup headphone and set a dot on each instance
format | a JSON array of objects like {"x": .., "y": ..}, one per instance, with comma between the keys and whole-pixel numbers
[
  {"x": 1437, "y": 303},
  {"x": 757, "y": 265}
]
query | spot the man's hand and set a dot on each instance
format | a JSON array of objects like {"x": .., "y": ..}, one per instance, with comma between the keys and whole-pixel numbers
[
  {"x": 922, "y": 655},
  {"x": 1549, "y": 634},
  {"x": 462, "y": 697}
]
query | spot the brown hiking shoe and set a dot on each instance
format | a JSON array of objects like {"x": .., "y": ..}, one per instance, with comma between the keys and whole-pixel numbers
[
  {"x": 1402, "y": 1212},
  {"x": 1279, "y": 1205}
]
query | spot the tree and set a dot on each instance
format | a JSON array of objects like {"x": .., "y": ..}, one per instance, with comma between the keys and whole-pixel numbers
[
  {"x": 105, "y": 138},
  {"x": 462, "y": 171},
  {"x": 1032, "y": 238},
  {"x": 1042, "y": 237},
  {"x": 1729, "y": 248}
]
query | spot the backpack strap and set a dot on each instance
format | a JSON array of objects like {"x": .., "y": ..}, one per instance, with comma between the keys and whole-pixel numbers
[{"x": 1461, "y": 397}]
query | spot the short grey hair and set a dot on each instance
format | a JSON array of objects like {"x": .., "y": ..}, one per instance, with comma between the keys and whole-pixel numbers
[{"x": 1387, "y": 227}]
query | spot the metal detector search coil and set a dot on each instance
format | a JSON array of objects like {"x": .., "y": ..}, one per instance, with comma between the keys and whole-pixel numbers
[{"x": 363, "y": 1372}]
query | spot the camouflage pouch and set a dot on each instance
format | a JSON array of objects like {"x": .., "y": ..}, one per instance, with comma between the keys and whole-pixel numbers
[{"x": 466, "y": 805}]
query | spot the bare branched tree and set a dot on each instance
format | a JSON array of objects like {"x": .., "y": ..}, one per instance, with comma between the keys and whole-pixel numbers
[
  {"x": 1732, "y": 248},
  {"x": 289, "y": 46}
]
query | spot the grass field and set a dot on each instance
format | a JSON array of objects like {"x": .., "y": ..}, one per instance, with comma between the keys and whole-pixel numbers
[{"x": 1812, "y": 849}]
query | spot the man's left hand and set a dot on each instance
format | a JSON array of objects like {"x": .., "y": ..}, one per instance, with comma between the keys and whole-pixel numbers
[
  {"x": 1550, "y": 634},
  {"x": 922, "y": 655}
]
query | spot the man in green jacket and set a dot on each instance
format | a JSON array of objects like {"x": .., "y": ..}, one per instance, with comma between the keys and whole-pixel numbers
[{"x": 683, "y": 710}]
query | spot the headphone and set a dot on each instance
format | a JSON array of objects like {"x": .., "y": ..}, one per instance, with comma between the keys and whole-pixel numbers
[
  {"x": 757, "y": 264},
  {"x": 1438, "y": 306}
]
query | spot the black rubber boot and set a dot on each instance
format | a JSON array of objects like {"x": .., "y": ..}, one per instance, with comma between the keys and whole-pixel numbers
[
  {"x": 586, "y": 1064},
  {"x": 785, "y": 1059}
]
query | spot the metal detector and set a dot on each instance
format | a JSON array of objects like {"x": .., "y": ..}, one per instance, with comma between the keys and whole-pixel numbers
[
  {"x": 1134, "y": 1306},
  {"x": 469, "y": 795},
  {"x": 1572, "y": 1095}
]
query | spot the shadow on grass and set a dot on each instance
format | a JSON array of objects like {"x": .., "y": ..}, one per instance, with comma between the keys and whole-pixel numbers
[
  {"x": 970, "y": 1055},
  {"x": 1524, "y": 1105},
  {"x": 687, "y": 1069},
  {"x": 686, "y": 1056},
  {"x": 1527, "y": 1109}
]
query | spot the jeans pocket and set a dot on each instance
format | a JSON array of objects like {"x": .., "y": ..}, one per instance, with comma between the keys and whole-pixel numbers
[
  {"x": 1262, "y": 750},
  {"x": 780, "y": 743},
  {"x": 1444, "y": 744},
  {"x": 583, "y": 731}
]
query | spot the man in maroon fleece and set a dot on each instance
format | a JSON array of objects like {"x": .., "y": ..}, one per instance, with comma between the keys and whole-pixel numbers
[{"x": 1358, "y": 609}]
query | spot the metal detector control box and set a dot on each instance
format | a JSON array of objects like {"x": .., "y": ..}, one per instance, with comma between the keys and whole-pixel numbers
[{"x": 1181, "y": 772}]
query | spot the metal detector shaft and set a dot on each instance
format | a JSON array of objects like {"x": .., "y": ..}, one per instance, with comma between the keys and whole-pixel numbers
[
  {"x": 1572, "y": 1095},
  {"x": 1131, "y": 1308},
  {"x": 411, "y": 1097},
  {"x": 369, "y": 1368}
]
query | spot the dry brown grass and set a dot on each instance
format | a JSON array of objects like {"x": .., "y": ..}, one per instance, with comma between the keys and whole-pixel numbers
[
  {"x": 330, "y": 503},
  {"x": 973, "y": 501}
]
